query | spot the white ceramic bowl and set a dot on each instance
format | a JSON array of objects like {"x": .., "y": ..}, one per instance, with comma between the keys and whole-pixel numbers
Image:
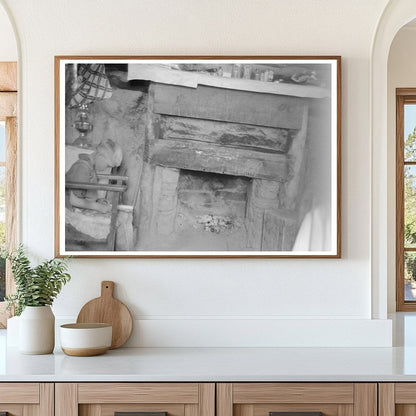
[{"x": 84, "y": 340}]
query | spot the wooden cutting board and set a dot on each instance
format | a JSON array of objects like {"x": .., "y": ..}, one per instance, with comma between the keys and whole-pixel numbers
[{"x": 107, "y": 309}]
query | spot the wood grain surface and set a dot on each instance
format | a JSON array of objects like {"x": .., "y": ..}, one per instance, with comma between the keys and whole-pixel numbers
[
  {"x": 210, "y": 157},
  {"x": 252, "y": 393},
  {"x": 107, "y": 309},
  {"x": 47, "y": 401},
  {"x": 405, "y": 393},
  {"x": 386, "y": 399},
  {"x": 66, "y": 399},
  {"x": 8, "y": 76},
  {"x": 365, "y": 399},
  {"x": 235, "y": 134},
  {"x": 233, "y": 106},
  {"x": 224, "y": 399},
  {"x": 8, "y": 105},
  {"x": 22, "y": 393},
  {"x": 207, "y": 399},
  {"x": 171, "y": 393}
]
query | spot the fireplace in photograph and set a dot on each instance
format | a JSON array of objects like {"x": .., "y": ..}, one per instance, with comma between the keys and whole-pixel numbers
[
  {"x": 224, "y": 170},
  {"x": 213, "y": 204}
]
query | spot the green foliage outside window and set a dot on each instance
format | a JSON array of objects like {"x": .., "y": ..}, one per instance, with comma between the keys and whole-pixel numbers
[{"x": 410, "y": 205}]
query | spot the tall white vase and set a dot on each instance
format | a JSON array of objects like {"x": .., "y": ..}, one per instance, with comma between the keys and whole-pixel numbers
[{"x": 37, "y": 330}]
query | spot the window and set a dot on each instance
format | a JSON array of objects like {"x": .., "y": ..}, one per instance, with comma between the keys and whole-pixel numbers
[
  {"x": 8, "y": 165},
  {"x": 406, "y": 199},
  {"x": 2, "y": 206}
]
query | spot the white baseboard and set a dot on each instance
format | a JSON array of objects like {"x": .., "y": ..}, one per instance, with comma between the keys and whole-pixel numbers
[{"x": 254, "y": 332}]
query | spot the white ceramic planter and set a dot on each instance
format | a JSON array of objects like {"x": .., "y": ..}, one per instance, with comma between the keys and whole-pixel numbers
[
  {"x": 37, "y": 330},
  {"x": 12, "y": 334}
]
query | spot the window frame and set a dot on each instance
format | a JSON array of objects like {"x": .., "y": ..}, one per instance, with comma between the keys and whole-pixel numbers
[{"x": 8, "y": 113}]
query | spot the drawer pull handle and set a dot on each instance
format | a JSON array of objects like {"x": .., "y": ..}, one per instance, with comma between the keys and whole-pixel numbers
[
  {"x": 295, "y": 413},
  {"x": 140, "y": 414}
]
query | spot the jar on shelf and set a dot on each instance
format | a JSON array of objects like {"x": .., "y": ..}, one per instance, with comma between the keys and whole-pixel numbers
[{"x": 236, "y": 71}]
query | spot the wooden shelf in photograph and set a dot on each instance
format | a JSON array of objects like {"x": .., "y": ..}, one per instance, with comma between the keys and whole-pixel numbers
[{"x": 193, "y": 79}]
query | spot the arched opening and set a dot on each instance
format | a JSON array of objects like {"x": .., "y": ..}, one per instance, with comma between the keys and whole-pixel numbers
[
  {"x": 401, "y": 90},
  {"x": 395, "y": 16}
]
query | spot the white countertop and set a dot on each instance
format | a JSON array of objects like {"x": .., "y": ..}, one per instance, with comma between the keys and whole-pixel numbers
[
  {"x": 222, "y": 364},
  {"x": 215, "y": 364}
]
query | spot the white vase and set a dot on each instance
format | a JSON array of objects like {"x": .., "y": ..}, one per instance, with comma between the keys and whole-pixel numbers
[
  {"x": 37, "y": 330},
  {"x": 12, "y": 334}
]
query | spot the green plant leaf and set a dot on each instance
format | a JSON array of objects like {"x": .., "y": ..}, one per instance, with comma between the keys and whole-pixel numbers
[{"x": 35, "y": 286}]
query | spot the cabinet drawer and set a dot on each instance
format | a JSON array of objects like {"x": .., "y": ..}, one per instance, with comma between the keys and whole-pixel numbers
[
  {"x": 21, "y": 399},
  {"x": 296, "y": 399},
  {"x": 19, "y": 393},
  {"x": 146, "y": 399},
  {"x": 138, "y": 393}
]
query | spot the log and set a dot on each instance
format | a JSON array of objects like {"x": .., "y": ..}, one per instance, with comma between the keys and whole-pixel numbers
[
  {"x": 95, "y": 186},
  {"x": 226, "y": 134},
  {"x": 207, "y": 157},
  {"x": 229, "y": 105}
]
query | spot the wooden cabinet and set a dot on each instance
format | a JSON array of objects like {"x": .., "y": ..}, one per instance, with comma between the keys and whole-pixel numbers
[
  {"x": 397, "y": 399},
  {"x": 106, "y": 399},
  {"x": 208, "y": 399},
  {"x": 297, "y": 399},
  {"x": 27, "y": 399}
]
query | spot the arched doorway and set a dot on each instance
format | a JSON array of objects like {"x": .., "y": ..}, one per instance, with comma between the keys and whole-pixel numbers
[{"x": 396, "y": 15}]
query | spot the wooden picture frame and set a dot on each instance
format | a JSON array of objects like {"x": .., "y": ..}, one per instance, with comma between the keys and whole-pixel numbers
[
  {"x": 8, "y": 116},
  {"x": 198, "y": 156},
  {"x": 405, "y": 302}
]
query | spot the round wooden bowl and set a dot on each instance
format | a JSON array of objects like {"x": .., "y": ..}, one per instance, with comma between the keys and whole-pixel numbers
[{"x": 84, "y": 340}]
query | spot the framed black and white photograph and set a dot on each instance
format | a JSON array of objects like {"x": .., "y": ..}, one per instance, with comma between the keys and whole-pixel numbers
[{"x": 198, "y": 156}]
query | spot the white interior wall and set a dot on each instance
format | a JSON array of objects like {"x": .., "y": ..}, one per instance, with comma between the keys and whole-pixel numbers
[
  {"x": 202, "y": 302},
  {"x": 8, "y": 46},
  {"x": 401, "y": 74}
]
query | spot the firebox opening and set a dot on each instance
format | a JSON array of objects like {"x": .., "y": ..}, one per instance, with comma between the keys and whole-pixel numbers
[{"x": 211, "y": 211}]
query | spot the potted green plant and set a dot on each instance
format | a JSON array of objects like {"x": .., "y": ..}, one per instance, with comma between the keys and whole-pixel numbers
[{"x": 36, "y": 289}]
